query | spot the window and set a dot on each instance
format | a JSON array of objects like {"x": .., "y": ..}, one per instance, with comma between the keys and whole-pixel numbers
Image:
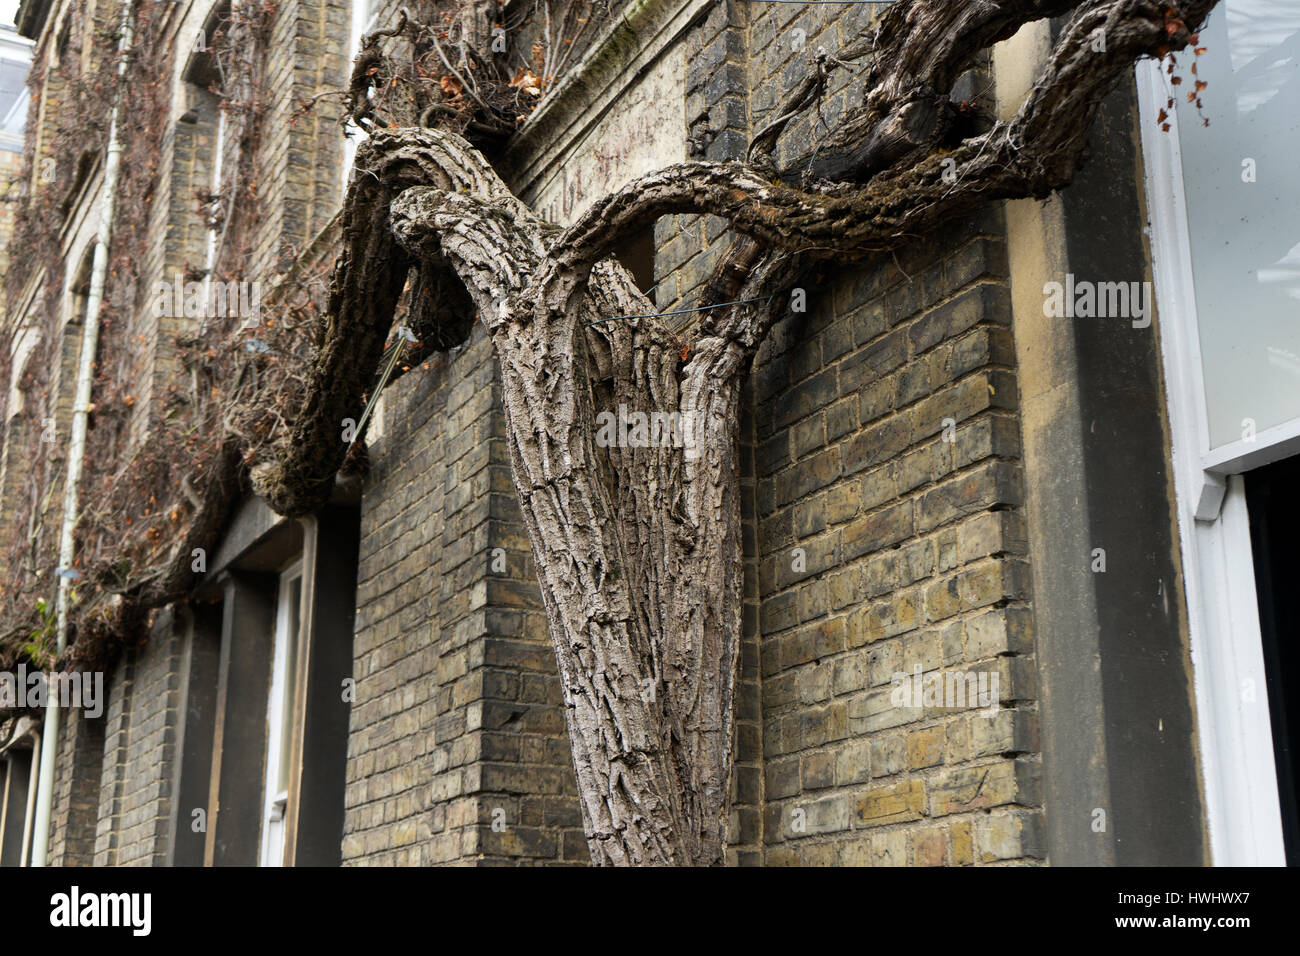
[
  {"x": 14, "y": 437},
  {"x": 20, "y": 755},
  {"x": 1274, "y": 525},
  {"x": 203, "y": 78},
  {"x": 15, "y": 833},
  {"x": 364, "y": 15},
  {"x": 14, "y": 96},
  {"x": 264, "y": 743},
  {"x": 281, "y": 715},
  {"x": 1243, "y": 239},
  {"x": 1226, "y": 256}
]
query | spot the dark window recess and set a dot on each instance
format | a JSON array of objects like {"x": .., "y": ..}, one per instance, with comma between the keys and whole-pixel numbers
[
  {"x": 637, "y": 256},
  {"x": 227, "y": 674},
  {"x": 201, "y": 69},
  {"x": 1274, "y": 510},
  {"x": 14, "y": 809}
]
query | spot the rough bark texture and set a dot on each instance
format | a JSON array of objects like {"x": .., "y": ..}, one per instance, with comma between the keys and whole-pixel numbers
[{"x": 638, "y": 548}]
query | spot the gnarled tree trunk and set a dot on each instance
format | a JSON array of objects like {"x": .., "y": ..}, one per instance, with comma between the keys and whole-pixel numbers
[{"x": 637, "y": 549}]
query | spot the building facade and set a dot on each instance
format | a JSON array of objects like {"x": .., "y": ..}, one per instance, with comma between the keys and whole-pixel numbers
[{"x": 1015, "y": 496}]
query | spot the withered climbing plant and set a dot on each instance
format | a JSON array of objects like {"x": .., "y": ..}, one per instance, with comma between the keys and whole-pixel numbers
[
  {"x": 169, "y": 458},
  {"x": 637, "y": 550}
]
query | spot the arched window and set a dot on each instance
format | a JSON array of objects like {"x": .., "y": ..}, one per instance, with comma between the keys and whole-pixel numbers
[{"x": 203, "y": 80}]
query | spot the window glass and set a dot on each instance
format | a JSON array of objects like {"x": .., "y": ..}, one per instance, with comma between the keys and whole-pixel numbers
[
  {"x": 364, "y": 14},
  {"x": 290, "y": 684},
  {"x": 280, "y": 716},
  {"x": 1243, "y": 209}
]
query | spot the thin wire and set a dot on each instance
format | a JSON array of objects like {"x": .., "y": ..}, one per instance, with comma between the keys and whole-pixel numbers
[
  {"x": 660, "y": 315},
  {"x": 383, "y": 380}
]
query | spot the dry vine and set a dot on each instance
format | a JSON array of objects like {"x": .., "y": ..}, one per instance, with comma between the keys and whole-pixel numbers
[{"x": 181, "y": 455}]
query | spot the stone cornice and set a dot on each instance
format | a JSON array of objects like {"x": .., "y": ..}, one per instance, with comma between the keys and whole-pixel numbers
[{"x": 617, "y": 59}]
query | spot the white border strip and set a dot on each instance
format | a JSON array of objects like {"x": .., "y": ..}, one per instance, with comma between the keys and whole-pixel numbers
[{"x": 1233, "y": 727}]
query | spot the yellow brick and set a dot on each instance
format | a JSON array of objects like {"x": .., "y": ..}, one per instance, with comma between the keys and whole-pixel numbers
[
  {"x": 897, "y": 803},
  {"x": 963, "y": 850},
  {"x": 925, "y": 747},
  {"x": 928, "y": 847}
]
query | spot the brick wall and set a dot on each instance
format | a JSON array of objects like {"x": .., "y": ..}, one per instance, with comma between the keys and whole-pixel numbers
[
  {"x": 15, "y": 474},
  {"x": 299, "y": 192},
  {"x": 298, "y": 163},
  {"x": 298, "y": 184},
  {"x": 11, "y": 167},
  {"x": 883, "y": 442},
  {"x": 457, "y": 750},
  {"x": 177, "y": 240},
  {"x": 888, "y": 456},
  {"x": 883, "y": 532},
  {"x": 884, "y": 446},
  {"x": 139, "y": 735},
  {"x": 75, "y": 811}
]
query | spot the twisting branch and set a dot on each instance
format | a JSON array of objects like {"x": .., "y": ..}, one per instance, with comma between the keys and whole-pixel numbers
[
  {"x": 637, "y": 547},
  {"x": 806, "y": 94},
  {"x": 637, "y": 544}
]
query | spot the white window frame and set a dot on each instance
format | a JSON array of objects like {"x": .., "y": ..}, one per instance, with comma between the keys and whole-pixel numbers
[
  {"x": 1234, "y": 730},
  {"x": 279, "y": 724},
  {"x": 210, "y": 250}
]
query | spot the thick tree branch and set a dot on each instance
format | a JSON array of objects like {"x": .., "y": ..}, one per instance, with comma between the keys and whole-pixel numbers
[{"x": 637, "y": 544}]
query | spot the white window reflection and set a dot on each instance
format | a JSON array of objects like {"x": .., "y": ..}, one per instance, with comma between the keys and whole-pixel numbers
[{"x": 1245, "y": 235}]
